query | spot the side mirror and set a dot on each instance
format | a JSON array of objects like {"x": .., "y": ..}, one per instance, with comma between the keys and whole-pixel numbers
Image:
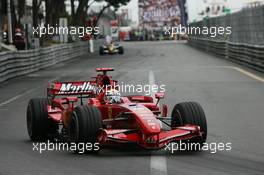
[{"x": 159, "y": 95}]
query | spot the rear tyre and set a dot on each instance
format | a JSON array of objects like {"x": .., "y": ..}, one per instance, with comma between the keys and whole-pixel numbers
[
  {"x": 85, "y": 125},
  {"x": 190, "y": 113},
  {"x": 121, "y": 50},
  {"x": 39, "y": 126}
]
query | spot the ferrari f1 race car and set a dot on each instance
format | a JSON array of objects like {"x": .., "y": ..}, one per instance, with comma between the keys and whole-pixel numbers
[
  {"x": 88, "y": 112},
  {"x": 111, "y": 48}
]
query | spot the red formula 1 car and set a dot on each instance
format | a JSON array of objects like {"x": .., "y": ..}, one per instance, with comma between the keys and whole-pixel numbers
[{"x": 84, "y": 112}]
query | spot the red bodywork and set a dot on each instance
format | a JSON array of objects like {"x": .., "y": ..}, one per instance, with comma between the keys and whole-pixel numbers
[{"x": 137, "y": 119}]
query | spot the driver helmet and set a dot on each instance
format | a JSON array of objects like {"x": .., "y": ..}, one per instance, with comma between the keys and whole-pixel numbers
[
  {"x": 113, "y": 96},
  {"x": 17, "y": 30}
]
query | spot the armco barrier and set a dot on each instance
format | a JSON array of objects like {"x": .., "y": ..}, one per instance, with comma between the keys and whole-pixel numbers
[
  {"x": 246, "y": 54},
  {"x": 17, "y": 63},
  {"x": 217, "y": 47}
]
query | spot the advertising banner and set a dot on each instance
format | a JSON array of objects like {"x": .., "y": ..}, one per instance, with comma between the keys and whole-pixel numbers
[{"x": 155, "y": 14}]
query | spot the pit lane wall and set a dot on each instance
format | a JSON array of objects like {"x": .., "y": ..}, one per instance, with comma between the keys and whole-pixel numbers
[
  {"x": 244, "y": 46},
  {"x": 18, "y": 63}
]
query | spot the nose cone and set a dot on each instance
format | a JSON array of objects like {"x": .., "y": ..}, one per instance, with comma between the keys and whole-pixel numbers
[
  {"x": 150, "y": 123},
  {"x": 146, "y": 119}
]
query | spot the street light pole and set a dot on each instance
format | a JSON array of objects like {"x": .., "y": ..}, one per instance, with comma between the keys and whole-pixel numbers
[{"x": 10, "y": 37}]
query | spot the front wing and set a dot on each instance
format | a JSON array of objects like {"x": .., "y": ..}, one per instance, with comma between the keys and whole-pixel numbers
[
  {"x": 156, "y": 141},
  {"x": 116, "y": 50}
]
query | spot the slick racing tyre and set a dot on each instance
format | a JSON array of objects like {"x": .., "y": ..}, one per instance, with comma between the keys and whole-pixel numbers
[
  {"x": 39, "y": 126},
  {"x": 101, "y": 51},
  {"x": 189, "y": 113},
  {"x": 121, "y": 50},
  {"x": 85, "y": 125}
]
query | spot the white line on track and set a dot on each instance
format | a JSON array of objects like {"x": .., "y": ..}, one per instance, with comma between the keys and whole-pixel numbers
[
  {"x": 25, "y": 93},
  {"x": 17, "y": 97},
  {"x": 238, "y": 69},
  {"x": 249, "y": 74},
  {"x": 158, "y": 164}
]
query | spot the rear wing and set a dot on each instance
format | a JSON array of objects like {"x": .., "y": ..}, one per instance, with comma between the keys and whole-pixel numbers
[
  {"x": 104, "y": 70},
  {"x": 72, "y": 88}
]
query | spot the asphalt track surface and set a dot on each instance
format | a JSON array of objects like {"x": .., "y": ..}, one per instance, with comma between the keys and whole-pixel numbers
[{"x": 232, "y": 97}]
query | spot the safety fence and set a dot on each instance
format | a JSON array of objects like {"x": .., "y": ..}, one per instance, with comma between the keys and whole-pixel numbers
[
  {"x": 17, "y": 63},
  {"x": 246, "y": 54},
  {"x": 245, "y": 45},
  {"x": 247, "y": 26}
]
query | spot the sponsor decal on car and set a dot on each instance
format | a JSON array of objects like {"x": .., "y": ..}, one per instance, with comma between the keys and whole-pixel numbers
[{"x": 73, "y": 88}]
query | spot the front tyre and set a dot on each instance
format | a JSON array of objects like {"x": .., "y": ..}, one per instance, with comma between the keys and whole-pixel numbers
[
  {"x": 101, "y": 51},
  {"x": 85, "y": 125},
  {"x": 190, "y": 113},
  {"x": 121, "y": 50}
]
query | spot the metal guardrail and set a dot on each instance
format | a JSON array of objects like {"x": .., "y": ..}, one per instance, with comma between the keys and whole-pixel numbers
[
  {"x": 18, "y": 63},
  {"x": 245, "y": 54},
  {"x": 215, "y": 46}
]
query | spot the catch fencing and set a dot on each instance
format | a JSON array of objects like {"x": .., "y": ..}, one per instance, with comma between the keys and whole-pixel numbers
[
  {"x": 246, "y": 43},
  {"x": 18, "y": 63}
]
